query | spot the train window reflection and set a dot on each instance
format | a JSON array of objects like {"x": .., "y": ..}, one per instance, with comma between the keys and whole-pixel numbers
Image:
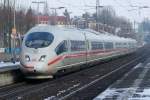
[
  {"x": 108, "y": 45},
  {"x": 78, "y": 45},
  {"x": 39, "y": 39},
  {"x": 62, "y": 47},
  {"x": 96, "y": 45}
]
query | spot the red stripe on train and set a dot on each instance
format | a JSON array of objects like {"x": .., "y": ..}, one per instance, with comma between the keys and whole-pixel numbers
[
  {"x": 55, "y": 60},
  {"x": 105, "y": 52},
  {"x": 27, "y": 66}
]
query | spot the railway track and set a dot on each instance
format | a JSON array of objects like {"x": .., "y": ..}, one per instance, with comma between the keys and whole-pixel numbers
[
  {"x": 84, "y": 84},
  {"x": 80, "y": 92}
]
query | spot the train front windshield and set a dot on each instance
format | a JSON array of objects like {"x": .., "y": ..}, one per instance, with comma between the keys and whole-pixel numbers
[{"x": 39, "y": 39}]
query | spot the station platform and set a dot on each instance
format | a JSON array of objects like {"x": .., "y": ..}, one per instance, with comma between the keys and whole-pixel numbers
[{"x": 135, "y": 85}]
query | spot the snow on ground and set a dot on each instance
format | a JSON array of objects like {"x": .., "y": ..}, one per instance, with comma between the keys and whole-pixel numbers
[
  {"x": 139, "y": 89},
  {"x": 143, "y": 94}
]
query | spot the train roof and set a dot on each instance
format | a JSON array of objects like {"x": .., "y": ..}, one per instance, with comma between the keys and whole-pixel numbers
[{"x": 78, "y": 34}]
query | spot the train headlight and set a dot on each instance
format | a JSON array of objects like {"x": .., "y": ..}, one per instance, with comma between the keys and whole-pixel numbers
[
  {"x": 42, "y": 58},
  {"x": 27, "y": 58}
]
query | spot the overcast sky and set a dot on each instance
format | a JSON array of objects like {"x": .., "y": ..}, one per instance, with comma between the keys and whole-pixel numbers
[{"x": 77, "y": 7}]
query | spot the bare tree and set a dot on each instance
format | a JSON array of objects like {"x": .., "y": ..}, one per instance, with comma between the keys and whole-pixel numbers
[
  {"x": 29, "y": 19},
  {"x": 67, "y": 15},
  {"x": 108, "y": 17}
]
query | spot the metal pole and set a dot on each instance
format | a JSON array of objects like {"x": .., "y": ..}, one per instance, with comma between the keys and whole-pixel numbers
[
  {"x": 55, "y": 16},
  {"x": 14, "y": 15},
  {"x": 13, "y": 40},
  {"x": 97, "y": 14},
  {"x": 38, "y": 13},
  {"x": 96, "y": 17},
  {"x": 38, "y": 5},
  {"x": 55, "y": 12},
  {"x": 9, "y": 25}
]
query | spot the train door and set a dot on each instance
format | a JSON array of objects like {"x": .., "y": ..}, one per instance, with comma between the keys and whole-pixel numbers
[
  {"x": 96, "y": 50},
  {"x": 62, "y": 50},
  {"x": 67, "y": 58}
]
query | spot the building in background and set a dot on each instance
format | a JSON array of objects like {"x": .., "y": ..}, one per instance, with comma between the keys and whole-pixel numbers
[{"x": 58, "y": 20}]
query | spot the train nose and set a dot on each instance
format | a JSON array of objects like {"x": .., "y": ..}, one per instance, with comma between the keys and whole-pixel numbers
[
  {"x": 26, "y": 67},
  {"x": 33, "y": 67},
  {"x": 40, "y": 68},
  {"x": 34, "y": 71}
]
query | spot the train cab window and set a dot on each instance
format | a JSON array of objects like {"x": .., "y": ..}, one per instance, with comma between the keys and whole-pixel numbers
[
  {"x": 108, "y": 45},
  {"x": 62, "y": 47},
  {"x": 39, "y": 39},
  {"x": 78, "y": 45},
  {"x": 96, "y": 45}
]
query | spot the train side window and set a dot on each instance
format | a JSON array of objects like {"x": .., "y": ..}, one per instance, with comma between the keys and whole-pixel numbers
[
  {"x": 96, "y": 45},
  {"x": 108, "y": 45},
  {"x": 62, "y": 47},
  {"x": 78, "y": 45}
]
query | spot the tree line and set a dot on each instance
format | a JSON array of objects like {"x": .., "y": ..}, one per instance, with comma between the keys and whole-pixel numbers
[
  {"x": 107, "y": 16},
  {"x": 24, "y": 20}
]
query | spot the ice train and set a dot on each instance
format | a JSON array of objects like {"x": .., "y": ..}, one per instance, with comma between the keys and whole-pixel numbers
[{"x": 47, "y": 50}]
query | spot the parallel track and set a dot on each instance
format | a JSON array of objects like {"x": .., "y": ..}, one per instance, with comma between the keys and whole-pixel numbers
[{"x": 74, "y": 94}]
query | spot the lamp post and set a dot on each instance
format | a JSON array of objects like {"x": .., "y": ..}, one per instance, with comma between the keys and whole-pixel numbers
[
  {"x": 14, "y": 15},
  {"x": 14, "y": 34},
  {"x": 38, "y": 5},
  {"x": 138, "y": 8},
  {"x": 55, "y": 12}
]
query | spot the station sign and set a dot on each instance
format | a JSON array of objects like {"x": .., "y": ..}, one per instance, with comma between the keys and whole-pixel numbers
[
  {"x": 13, "y": 34},
  {"x": 14, "y": 31}
]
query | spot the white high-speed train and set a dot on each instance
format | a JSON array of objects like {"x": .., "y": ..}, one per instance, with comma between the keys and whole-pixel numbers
[{"x": 49, "y": 49}]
